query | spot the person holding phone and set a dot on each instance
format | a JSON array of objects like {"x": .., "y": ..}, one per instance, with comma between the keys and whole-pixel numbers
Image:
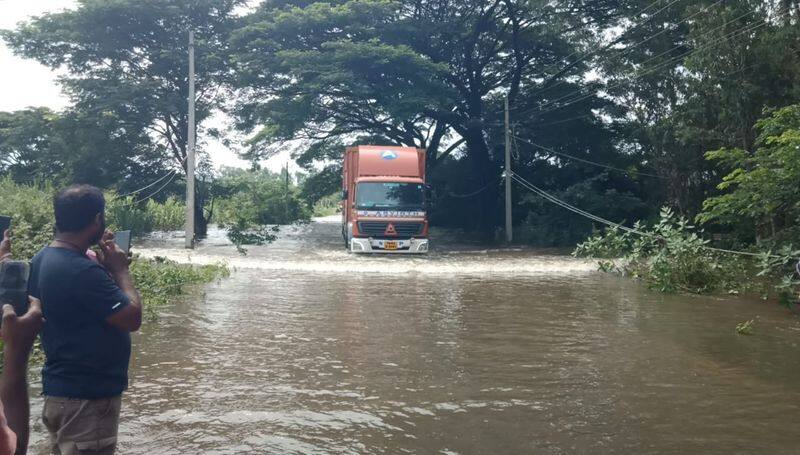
[
  {"x": 18, "y": 333},
  {"x": 89, "y": 310}
]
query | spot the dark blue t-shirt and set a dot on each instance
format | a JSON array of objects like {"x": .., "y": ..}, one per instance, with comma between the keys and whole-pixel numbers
[{"x": 86, "y": 357}]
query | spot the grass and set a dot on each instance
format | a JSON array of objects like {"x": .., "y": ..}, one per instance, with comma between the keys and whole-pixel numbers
[
  {"x": 161, "y": 281},
  {"x": 746, "y": 327}
]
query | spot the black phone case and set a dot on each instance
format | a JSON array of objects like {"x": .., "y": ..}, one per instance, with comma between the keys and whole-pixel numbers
[
  {"x": 14, "y": 285},
  {"x": 5, "y": 223}
]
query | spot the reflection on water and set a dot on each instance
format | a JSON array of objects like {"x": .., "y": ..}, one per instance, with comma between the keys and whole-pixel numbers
[{"x": 306, "y": 349}]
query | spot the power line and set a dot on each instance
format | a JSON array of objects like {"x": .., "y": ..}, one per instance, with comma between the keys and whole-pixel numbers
[
  {"x": 546, "y": 108},
  {"x": 617, "y": 40},
  {"x": 528, "y": 185},
  {"x": 544, "y": 72},
  {"x": 578, "y": 92},
  {"x": 150, "y": 185},
  {"x": 474, "y": 193},
  {"x": 158, "y": 190},
  {"x": 593, "y": 163}
]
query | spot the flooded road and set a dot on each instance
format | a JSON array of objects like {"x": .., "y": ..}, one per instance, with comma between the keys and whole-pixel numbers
[{"x": 306, "y": 349}]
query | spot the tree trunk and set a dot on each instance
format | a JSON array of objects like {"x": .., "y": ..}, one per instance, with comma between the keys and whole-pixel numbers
[
  {"x": 486, "y": 172},
  {"x": 200, "y": 222}
]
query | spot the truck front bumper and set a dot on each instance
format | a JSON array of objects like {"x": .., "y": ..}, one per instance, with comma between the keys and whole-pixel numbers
[{"x": 370, "y": 245}]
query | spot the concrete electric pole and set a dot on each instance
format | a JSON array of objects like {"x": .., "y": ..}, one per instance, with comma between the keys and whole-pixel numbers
[
  {"x": 190, "y": 152},
  {"x": 507, "y": 174}
]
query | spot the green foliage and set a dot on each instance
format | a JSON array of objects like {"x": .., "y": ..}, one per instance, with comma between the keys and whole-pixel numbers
[
  {"x": 613, "y": 243},
  {"x": 546, "y": 224},
  {"x": 428, "y": 74},
  {"x": 251, "y": 204},
  {"x": 746, "y": 327},
  {"x": 762, "y": 187},
  {"x": 329, "y": 205},
  {"x": 126, "y": 60},
  {"x": 123, "y": 64},
  {"x": 143, "y": 217},
  {"x": 670, "y": 256},
  {"x": 75, "y": 147},
  {"x": 322, "y": 184},
  {"x": 161, "y": 281},
  {"x": 31, "y": 210}
]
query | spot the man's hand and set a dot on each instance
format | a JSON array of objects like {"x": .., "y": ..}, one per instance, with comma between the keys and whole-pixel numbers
[
  {"x": 18, "y": 332},
  {"x": 5, "y": 246},
  {"x": 107, "y": 235},
  {"x": 112, "y": 257}
]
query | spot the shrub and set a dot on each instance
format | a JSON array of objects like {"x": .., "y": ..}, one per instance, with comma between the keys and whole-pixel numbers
[
  {"x": 167, "y": 216},
  {"x": 160, "y": 281},
  {"x": 671, "y": 256},
  {"x": 328, "y": 205},
  {"x": 251, "y": 204},
  {"x": 143, "y": 217},
  {"x": 31, "y": 209}
]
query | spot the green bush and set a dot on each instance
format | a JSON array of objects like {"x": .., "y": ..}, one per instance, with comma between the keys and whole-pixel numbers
[
  {"x": 167, "y": 216},
  {"x": 160, "y": 281},
  {"x": 670, "y": 256},
  {"x": 251, "y": 204},
  {"x": 328, "y": 205},
  {"x": 31, "y": 209},
  {"x": 143, "y": 217}
]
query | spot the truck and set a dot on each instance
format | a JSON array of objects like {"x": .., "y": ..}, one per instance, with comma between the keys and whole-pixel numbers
[{"x": 384, "y": 200}]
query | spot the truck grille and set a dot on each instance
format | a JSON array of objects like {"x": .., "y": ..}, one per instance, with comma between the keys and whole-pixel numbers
[{"x": 378, "y": 228}]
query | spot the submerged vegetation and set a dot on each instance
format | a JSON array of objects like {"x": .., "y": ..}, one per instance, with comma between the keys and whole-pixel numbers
[
  {"x": 671, "y": 256},
  {"x": 250, "y": 205},
  {"x": 161, "y": 281}
]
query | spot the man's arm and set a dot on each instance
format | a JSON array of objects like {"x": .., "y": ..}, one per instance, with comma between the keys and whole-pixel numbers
[
  {"x": 18, "y": 334},
  {"x": 116, "y": 261}
]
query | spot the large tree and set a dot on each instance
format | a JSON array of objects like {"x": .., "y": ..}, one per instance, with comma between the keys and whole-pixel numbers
[
  {"x": 697, "y": 80},
  {"x": 128, "y": 59},
  {"x": 422, "y": 73},
  {"x": 38, "y": 144}
]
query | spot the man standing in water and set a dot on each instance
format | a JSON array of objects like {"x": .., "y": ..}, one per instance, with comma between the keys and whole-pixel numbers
[{"x": 89, "y": 310}]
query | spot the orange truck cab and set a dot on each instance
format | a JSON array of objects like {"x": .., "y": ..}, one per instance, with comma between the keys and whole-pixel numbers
[{"x": 383, "y": 200}]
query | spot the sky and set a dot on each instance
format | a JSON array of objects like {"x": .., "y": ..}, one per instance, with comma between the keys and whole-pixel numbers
[{"x": 25, "y": 83}]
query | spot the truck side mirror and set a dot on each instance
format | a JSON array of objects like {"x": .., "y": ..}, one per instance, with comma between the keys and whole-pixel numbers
[{"x": 344, "y": 195}]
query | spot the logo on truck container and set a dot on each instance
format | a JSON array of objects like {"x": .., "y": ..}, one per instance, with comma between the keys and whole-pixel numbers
[{"x": 388, "y": 155}]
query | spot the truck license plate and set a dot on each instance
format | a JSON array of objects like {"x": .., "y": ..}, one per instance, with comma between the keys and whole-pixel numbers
[{"x": 390, "y": 245}]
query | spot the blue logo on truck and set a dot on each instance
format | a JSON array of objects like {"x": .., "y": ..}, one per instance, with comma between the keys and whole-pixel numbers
[{"x": 388, "y": 155}]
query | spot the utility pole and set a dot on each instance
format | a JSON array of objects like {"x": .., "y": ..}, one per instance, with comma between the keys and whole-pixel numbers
[
  {"x": 507, "y": 174},
  {"x": 190, "y": 152}
]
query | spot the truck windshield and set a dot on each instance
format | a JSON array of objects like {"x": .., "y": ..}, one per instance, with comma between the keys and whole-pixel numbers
[{"x": 389, "y": 196}]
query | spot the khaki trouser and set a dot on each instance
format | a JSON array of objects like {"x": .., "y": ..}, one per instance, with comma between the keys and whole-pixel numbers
[{"x": 79, "y": 427}]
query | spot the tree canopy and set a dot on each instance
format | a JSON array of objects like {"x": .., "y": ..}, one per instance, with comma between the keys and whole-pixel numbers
[{"x": 614, "y": 104}]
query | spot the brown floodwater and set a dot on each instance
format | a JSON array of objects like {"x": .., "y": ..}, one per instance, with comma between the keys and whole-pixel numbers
[{"x": 306, "y": 349}]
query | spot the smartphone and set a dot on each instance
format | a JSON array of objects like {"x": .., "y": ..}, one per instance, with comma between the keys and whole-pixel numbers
[
  {"x": 123, "y": 239},
  {"x": 5, "y": 224},
  {"x": 14, "y": 285}
]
